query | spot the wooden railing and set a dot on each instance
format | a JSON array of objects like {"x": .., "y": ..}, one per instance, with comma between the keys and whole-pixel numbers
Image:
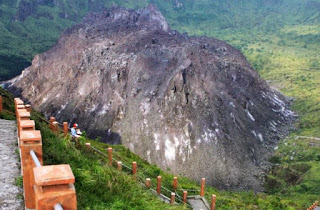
[
  {"x": 45, "y": 187},
  {"x": 173, "y": 196},
  {"x": 313, "y": 206}
]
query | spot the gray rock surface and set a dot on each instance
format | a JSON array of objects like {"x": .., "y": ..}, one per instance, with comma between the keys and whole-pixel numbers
[
  {"x": 192, "y": 105},
  {"x": 9, "y": 166}
]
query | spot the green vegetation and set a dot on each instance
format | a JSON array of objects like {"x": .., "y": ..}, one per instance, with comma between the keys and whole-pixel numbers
[
  {"x": 292, "y": 184},
  {"x": 279, "y": 38}
]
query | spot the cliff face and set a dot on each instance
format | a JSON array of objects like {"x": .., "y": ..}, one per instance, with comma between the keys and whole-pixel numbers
[{"x": 189, "y": 104}]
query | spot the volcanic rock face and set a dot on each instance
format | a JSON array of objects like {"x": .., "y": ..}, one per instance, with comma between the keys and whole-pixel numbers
[{"x": 189, "y": 104}]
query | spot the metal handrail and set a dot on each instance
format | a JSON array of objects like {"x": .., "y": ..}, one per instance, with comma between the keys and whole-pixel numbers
[
  {"x": 35, "y": 158},
  {"x": 58, "y": 207}
]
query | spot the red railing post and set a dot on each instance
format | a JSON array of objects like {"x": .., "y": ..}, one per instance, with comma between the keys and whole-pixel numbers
[
  {"x": 22, "y": 115},
  {"x": 203, "y": 182},
  {"x": 54, "y": 184},
  {"x": 44, "y": 186},
  {"x": 110, "y": 155},
  {"x": 119, "y": 164},
  {"x": 175, "y": 183},
  {"x": 65, "y": 128},
  {"x": 173, "y": 195},
  {"x": 28, "y": 107},
  {"x": 148, "y": 183},
  {"x": 159, "y": 185},
  {"x": 52, "y": 119},
  {"x": 213, "y": 202},
  {"x": 30, "y": 140},
  {"x": 185, "y": 195},
  {"x": 88, "y": 146},
  {"x": 134, "y": 170}
]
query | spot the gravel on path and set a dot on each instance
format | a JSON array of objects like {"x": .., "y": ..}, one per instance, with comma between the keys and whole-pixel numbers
[{"x": 9, "y": 167}]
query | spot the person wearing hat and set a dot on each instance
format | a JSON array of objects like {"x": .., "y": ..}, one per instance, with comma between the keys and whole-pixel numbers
[{"x": 74, "y": 132}]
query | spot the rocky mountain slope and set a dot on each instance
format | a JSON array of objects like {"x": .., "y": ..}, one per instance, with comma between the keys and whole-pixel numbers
[
  {"x": 192, "y": 105},
  {"x": 30, "y": 27}
]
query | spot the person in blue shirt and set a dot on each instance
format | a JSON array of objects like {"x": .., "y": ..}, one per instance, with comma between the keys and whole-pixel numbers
[{"x": 74, "y": 132}]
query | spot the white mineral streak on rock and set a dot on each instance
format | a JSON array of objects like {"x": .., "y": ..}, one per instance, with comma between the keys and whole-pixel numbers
[
  {"x": 156, "y": 141},
  {"x": 209, "y": 136},
  {"x": 273, "y": 125},
  {"x": 170, "y": 150},
  {"x": 93, "y": 108},
  {"x": 145, "y": 107},
  {"x": 254, "y": 133},
  {"x": 185, "y": 149},
  {"x": 217, "y": 130},
  {"x": 104, "y": 110},
  {"x": 82, "y": 90},
  {"x": 44, "y": 99},
  {"x": 62, "y": 107},
  {"x": 250, "y": 115},
  {"x": 148, "y": 156}
]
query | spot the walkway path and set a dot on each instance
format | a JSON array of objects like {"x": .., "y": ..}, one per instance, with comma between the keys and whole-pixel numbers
[
  {"x": 198, "y": 203},
  {"x": 9, "y": 167}
]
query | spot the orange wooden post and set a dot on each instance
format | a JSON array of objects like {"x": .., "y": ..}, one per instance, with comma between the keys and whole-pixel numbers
[
  {"x": 1, "y": 104},
  {"x": 134, "y": 170},
  {"x": 52, "y": 119},
  {"x": 88, "y": 146},
  {"x": 65, "y": 128},
  {"x": 55, "y": 127},
  {"x": 28, "y": 107},
  {"x": 185, "y": 195},
  {"x": 148, "y": 183},
  {"x": 119, "y": 163},
  {"x": 54, "y": 185},
  {"x": 213, "y": 202},
  {"x": 110, "y": 155},
  {"x": 175, "y": 183},
  {"x": 203, "y": 182},
  {"x": 18, "y": 111},
  {"x": 159, "y": 185},
  {"x": 30, "y": 140},
  {"x": 25, "y": 125},
  {"x": 17, "y": 102},
  {"x": 173, "y": 195},
  {"x": 19, "y": 107},
  {"x": 21, "y": 116}
]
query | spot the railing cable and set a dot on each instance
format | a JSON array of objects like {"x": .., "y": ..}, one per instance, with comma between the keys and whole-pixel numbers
[
  {"x": 35, "y": 158},
  {"x": 58, "y": 207}
]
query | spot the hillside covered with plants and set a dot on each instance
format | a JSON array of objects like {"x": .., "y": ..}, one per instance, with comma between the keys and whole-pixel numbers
[
  {"x": 100, "y": 186},
  {"x": 279, "y": 38}
]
